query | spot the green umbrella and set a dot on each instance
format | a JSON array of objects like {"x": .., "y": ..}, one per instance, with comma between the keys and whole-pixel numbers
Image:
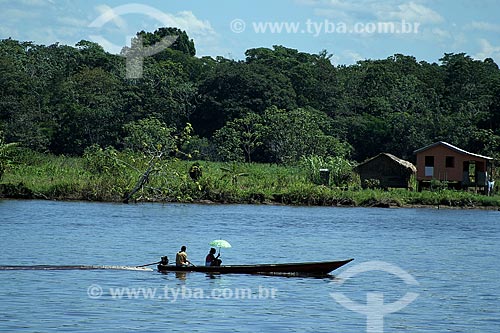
[{"x": 220, "y": 243}]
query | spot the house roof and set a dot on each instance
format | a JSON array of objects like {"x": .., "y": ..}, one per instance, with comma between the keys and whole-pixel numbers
[
  {"x": 398, "y": 160},
  {"x": 452, "y": 147}
]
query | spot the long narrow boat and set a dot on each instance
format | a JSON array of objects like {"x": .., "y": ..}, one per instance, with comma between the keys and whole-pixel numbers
[{"x": 306, "y": 268}]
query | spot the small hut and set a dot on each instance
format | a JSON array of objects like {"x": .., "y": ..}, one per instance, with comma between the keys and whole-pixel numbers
[{"x": 386, "y": 170}]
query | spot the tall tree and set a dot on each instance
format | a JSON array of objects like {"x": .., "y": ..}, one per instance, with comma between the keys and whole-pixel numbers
[
  {"x": 300, "y": 132},
  {"x": 182, "y": 42},
  {"x": 240, "y": 136},
  {"x": 235, "y": 89},
  {"x": 90, "y": 112}
]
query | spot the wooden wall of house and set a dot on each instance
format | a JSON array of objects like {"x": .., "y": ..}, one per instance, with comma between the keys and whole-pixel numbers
[{"x": 442, "y": 171}]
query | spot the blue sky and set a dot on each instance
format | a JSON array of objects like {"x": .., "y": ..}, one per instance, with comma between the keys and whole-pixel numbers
[{"x": 349, "y": 30}]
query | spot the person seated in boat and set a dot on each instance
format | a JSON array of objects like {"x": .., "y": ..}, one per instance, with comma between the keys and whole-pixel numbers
[
  {"x": 164, "y": 261},
  {"x": 211, "y": 259},
  {"x": 181, "y": 258}
]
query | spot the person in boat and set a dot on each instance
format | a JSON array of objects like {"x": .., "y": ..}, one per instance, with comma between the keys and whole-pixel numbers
[
  {"x": 181, "y": 258},
  {"x": 211, "y": 259},
  {"x": 164, "y": 261}
]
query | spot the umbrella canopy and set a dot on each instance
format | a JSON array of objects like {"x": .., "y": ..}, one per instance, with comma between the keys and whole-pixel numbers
[{"x": 220, "y": 243}]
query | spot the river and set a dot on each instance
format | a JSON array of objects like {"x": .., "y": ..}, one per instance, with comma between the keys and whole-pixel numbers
[{"x": 415, "y": 270}]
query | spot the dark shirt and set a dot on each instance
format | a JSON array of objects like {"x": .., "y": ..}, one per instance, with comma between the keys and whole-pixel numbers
[{"x": 209, "y": 259}]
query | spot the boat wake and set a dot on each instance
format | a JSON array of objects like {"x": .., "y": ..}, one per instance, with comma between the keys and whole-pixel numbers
[{"x": 71, "y": 267}]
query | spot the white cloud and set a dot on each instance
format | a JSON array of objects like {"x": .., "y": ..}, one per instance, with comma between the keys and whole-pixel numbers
[
  {"x": 346, "y": 57},
  {"x": 307, "y": 2},
  {"x": 109, "y": 14},
  {"x": 16, "y": 14},
  {"x": 6, "y": 32},
  {"x": 441, "y": 33},
  {"x": 130, "y": 18},
  {"x": 460, "y": 41},
  {"x": 205, "y": 38},
  {"x": 373, "y": 9},
  {"x": 483, "y": 26},
  {"x": 488, "y": 51},
  {"x": 36, "y": 2},
  {"x": 413, "y": 12},
  {"x": 186, "y": 20},
  {"x": 72, "y": 21},
  {"x": 352, "y": 56}
]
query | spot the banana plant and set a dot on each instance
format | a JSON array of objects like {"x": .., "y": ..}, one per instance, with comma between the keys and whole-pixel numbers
[{"x": 233, "y": 173}]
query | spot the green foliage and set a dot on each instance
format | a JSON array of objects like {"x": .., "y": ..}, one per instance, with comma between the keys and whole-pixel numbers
[
  {"x": 157, "y": 143},
  {"x": 239, "y": 138},
  {"x": 438, "y": 185},
  {"x": 200, "y": 148},
  {"x": 182, "y": 42},
  {"x": 372, "y": 183},
  {"x": 150, "y": 136},
  {"x": 234, "y": 89},
  {"x": 36, "y": 175},
  {"x": 232, "y": 173},
  {"x": 339, "y": 169},
  {"x": 6, "y": 152},
  {"x": 100, "y": 161},
  {"x": 293, "y": 134},
  {"x": 276, "y": 106},
  {"x": 228, "y": 143}
]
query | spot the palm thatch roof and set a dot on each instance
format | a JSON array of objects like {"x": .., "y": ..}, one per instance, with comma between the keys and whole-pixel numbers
[{"x": 397, "y": 160}]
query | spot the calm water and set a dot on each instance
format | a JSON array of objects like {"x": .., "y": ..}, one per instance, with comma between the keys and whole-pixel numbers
[{"x": 453, "y": 254}]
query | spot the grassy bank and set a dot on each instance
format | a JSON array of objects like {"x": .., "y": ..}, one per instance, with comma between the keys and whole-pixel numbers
[{"x": 41, "y": 176}]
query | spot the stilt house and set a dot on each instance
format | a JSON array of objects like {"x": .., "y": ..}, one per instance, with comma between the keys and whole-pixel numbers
[{"x": 445, "y": 162}]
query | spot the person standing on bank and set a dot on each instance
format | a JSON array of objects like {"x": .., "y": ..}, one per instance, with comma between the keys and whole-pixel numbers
[{"x": 181, "y": 258}]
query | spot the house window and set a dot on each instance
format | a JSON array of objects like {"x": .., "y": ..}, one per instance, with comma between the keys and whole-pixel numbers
[
  {"x": 429, "y": 166},
  {"x": 450, "y": 161}
]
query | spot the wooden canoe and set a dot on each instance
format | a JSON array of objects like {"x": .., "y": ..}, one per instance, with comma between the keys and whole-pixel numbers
[{"x": 306, "y": 268}]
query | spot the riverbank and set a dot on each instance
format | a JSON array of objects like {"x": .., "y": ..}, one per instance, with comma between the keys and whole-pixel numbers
[{"x": 38, "y": 176}]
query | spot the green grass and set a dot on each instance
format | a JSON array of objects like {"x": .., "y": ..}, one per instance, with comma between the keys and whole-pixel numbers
[{"x": 37, "y": 175}]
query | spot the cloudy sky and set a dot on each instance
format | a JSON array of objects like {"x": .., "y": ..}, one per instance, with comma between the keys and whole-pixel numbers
[{"x": 349, "y": 30}]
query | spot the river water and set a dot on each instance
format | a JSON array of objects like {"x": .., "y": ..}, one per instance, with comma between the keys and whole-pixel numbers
[{"x": 440, "y": 266}]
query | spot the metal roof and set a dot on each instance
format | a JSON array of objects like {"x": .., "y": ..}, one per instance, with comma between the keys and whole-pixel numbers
[{"x": 452, "y": 147}]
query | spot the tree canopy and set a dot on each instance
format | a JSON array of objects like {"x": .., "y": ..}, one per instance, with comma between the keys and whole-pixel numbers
[{"x": 278, "y": 105}]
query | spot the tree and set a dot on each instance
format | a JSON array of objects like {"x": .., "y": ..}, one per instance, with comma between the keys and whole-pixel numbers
[
  {"x": 312, "y": 76},
  {"x": 30, "y": 75},
  {"x": 167, "y": 93},
  {"x": 228, "y": 145},
  {"x": 182, "y": 42},
  {"x": 300, "y": 132},
  {"x": 151, "y": 137},
  {"x": 89, "y": 112},
  {"x": 242, "y": 135},
  {"x": 235, "y": 89},
  {"x": 156, "y": 142},
  {"x": 6, "y": 150}
]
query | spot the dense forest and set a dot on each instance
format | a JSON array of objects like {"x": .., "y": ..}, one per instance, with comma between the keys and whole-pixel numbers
[{"x": 275, "y": 106}]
